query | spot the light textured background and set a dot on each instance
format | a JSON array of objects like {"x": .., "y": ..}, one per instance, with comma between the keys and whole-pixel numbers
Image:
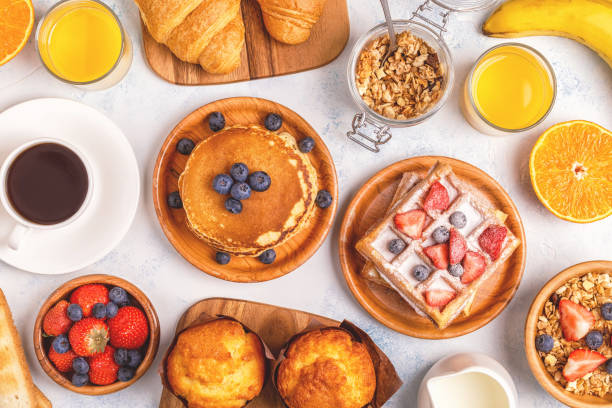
[{"x": 146, "y": 108}]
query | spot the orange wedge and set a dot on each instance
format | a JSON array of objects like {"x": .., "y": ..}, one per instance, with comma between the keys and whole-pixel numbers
[
  {"x": 16, "y": 21},
  {"x": 571, "y": 171}
]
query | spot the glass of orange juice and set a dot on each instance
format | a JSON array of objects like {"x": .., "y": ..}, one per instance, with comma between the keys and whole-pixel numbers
[
  {"x": 82, "y": 42},
  {"x": 511, "y": 88}
]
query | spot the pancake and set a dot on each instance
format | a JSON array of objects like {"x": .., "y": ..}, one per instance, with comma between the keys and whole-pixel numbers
[{"x": 268, "y": 218}]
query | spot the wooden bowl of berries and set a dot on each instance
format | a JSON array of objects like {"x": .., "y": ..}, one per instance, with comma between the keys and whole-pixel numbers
[
  {"x": 568, "y": 335},
  {"x": 96, "y": 334}
]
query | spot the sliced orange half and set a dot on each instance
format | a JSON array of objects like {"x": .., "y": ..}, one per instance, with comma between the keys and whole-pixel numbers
[
  {"x": 571, "y": 171},
  {"x": 16, "y": 21}
]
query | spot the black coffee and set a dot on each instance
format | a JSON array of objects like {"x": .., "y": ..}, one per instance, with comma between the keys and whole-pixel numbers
[{"x": 47, "y": 183}]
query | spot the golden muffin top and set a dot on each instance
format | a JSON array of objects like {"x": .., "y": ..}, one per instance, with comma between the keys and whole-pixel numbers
[
  {"x": 217, "y": 365},
  {"x": 326, "y": 368}
]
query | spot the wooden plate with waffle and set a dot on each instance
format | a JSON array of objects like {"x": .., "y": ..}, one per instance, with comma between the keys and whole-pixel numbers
[{"x": 432, "y": 247}]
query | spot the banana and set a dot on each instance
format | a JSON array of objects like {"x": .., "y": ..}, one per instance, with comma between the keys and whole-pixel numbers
[{"x": 586, "y": 21}]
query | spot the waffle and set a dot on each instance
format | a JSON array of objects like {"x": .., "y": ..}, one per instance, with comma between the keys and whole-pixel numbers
[{"x": 439, "y": 295}]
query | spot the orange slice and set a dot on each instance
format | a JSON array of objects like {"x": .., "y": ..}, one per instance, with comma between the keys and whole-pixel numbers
[
  {"x": 571, "y": 171},
  {"x": 16, "y": 21}
]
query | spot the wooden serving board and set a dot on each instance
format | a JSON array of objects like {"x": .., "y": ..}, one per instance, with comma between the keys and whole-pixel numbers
[
  {"x": 274, "y": 324},
  {"x": 262, "y": 56},
  {"x": 370, "y": 204}
]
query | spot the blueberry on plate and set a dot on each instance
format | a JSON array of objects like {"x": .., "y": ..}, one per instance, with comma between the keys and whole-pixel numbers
[
  {"x": 222, "y": 183},
  {"x": 544, "y": 343},
  {"x": 134, "y": 358},
  {"x": 273, "y": 122},
  {"x": 609, "y": 366},
  {"x": 234, "y": 206},
  {"x": 324, "y": 199},
  {"x": 606, "y": 311},
  {"x": 80, "y": 365},
  {"x": 396, "y": 246},
  {"x": 259, "y": 181},
  {"x": 185, "y": 146},
  {"x": 306, "y": 144},
  {"x": 268, "y": 256},
  {"x": 420, "y": 272},
  {"x": 125, "y": 374},
  {"x": 594, "y": 339},
  {"x": 174, "y": 200},
  {"x": 99, "y": 310},
  {"x": 121, "y": 357},
  {"x": 222, "y": 258},
  {"x": 118, "y": 295},
  {"x": 61, "y": 344},
  {"x": 74, "y": 312},
  {"x": 441, "y": 234},
  {"x": 456, "y": 270},
  {"x": 79, "y": 380},
  {"x": 458, "y": 219},
  {"x": 111, "y": 310},
  {"x": 239, "y": 171},
  {"x": 240, "y": 191},
  {"x": 216, "y": 121}
]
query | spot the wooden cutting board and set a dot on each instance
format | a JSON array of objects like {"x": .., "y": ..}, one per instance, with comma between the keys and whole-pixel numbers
[
  {"x": 274, "y": 324},
  {"x": 262, "y": 56}
]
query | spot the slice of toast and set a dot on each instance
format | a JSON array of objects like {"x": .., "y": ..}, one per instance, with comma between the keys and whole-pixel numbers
[{"x": 41, "y": 400}]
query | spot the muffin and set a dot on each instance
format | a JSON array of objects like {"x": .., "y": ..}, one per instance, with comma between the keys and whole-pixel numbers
[
  {"x": 217, "y": 365},
  {"x": 326, "y": 368}
]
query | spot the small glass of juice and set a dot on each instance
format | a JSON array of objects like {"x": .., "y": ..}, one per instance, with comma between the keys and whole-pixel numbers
[
  {"x": 82, "y": 42},
  {"x": 511, "y": 88}
]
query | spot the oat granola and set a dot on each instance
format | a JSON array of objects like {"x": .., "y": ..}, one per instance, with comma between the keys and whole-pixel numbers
[
  {"x": 409, "y": 83},
  {"x": 590, "y": 291}
]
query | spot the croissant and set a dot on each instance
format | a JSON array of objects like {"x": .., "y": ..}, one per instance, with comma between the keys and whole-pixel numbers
[{"x": 290, "y": 21}]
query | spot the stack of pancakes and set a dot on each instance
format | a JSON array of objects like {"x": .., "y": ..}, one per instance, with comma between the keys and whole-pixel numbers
[{"x": 268, "y": 218}]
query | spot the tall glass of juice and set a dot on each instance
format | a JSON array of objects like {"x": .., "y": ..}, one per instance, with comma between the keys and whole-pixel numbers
[
  {"x": 82, "y": 42},
  {"x": 511, "y": 88}
]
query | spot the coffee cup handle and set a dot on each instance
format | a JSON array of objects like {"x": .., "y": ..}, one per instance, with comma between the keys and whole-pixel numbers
[{"x": 17, "y": 235}]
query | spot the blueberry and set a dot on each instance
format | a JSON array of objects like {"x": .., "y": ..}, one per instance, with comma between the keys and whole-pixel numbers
[
  {"x": 396, "y": 246},
  {"x": 74, "y": 312},
  {"x": 234, "y": 206},
  {"x": 273, "y": 122},
  {"x": 544, "y": 343},
  {"x": 99, "y": 311},
  {"x": 121, "y": 357},
  {"x": 324, "y": 199},
  {"x": 61, "y": 344},
  {"x": 222, "y": 183},
  {"x": 420, "y": 272},
  {"x": 594, "y": 339},
  {"x": 79, "y": 380},
  {"x": 259, "y": 181},
  {"x": 606, "y": 311},
  {"x": 268, "y": 256},
  {"x": 306, "y": 144},
  {"x": 125, "y": 374},
  {"x": 458, "y": 219},
  {"x": 222, "y": 258},
  {"x": 119, "y": 296},
  {"x": 111, "y": 310},
  {"x": 185, "y": 146},
  {"x": 456, "y": 270},
  {"x": 239, "y": 171},
  {"x": 240, "y": 191},
  {"x": 134, "y": 358},
  {"x": 441, "y": 234},
  {"x": 174, "y": 200},
  {"x": 609, "y": 366},
  {"x": 80, "y": 365},
  {"x": 216, "y": 121}
]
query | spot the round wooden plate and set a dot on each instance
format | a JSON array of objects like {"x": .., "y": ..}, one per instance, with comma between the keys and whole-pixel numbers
[
  {"x": 535, "y": 362},
  {"x": 170, "y": 164},
  {"x": 385, "y": 305}
]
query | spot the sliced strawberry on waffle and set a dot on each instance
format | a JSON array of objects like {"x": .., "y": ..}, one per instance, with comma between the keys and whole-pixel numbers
[
  {"x": 411, "y": 223},
  {"x": 491, "y": 240},
  {"x": 581, "y": 362},
  {"x": 438, "y": 255},
  {"x": 457, "y": 247},
  {"x": 474, "y": 265},
  {"x": 439, "y": 297},
  {"x": 437, "y": 199},
  {"x": 576, "y": 320}
]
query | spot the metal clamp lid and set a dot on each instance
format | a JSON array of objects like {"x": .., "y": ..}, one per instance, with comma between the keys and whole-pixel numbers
[
  {"x": 370, "y": 140},
  {"x": 434, "y": 17}
]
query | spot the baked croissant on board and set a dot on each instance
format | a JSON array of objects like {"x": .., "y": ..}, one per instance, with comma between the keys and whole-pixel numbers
[{"x": 290, "y": 21}]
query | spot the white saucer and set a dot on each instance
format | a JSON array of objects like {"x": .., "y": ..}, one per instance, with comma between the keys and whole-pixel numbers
[{"x": 116, "y": 185}]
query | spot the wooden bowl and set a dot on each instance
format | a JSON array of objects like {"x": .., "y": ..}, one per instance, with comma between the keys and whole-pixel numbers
[
  {"x": 385, "y": 305},
  {"x": 170, "y": 165},
  {"x": 63, "y": 292},
  {"x": 535, "y": 362}
]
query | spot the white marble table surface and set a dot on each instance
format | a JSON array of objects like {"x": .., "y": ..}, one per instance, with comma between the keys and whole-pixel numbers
[{"x": 146, "y": 108}]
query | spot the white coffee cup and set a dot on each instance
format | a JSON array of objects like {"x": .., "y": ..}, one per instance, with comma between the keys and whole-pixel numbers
[{"x": 22, "y": 225}]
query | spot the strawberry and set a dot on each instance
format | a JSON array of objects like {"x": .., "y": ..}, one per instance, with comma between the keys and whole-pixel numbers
[
  {"x": 576, "y": 320},
  {"x": 56, "y": 320},
  {"x": 102, "y": 367},
  {"x": 439, "y": 297},
  {"x": 411, "y": 223},
  {"x": 474, "y": 265},
  {"x": 88, "y": 295},
  {"x": 457, "y": 246},
  {"x": 437, "y": 199},
  {"x": 438, "y": 255},
  {"x": 129, "y": 328},
  {"x": 491, "y": 240},
  {"x": 581, "y": 362},
  {"x": 63, "y": 362},
  {"x": 88, "y": 337}
]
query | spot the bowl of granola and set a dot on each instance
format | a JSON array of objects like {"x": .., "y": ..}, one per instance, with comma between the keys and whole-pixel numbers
[{"x": 568, "y": 335}]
